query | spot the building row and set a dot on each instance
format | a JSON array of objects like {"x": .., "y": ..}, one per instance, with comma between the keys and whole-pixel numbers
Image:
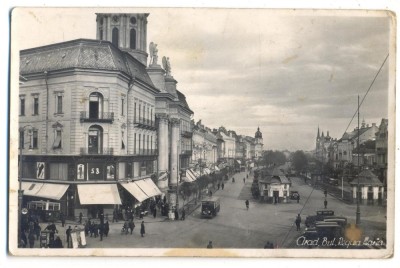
[
  {"x": 364, "y": 149},
  {"x": 103, "y": 125}
]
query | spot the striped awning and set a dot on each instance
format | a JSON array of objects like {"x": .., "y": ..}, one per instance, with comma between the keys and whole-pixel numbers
[{"x": 44, "y": 190}]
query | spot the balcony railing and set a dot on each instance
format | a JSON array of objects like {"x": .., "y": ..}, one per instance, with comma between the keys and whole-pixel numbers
[
  {"x": 146, "y": 152},
  {"x": 142, "y": 122},
  {"x": 97, "y": 151},
  {"x": 100, "y": 117}
]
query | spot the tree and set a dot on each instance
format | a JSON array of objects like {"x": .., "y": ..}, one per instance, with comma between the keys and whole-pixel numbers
[
  {"x": 273, "y": 157},
  {"x": 299, "y": 161}
]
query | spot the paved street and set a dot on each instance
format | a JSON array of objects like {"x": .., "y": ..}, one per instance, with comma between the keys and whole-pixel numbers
[{"x": 234, "y": 226}]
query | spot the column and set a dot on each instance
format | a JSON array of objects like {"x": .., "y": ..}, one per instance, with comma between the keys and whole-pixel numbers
[
  {"x": 162, "y": 148},
  {"x": 174, "y": 172}
]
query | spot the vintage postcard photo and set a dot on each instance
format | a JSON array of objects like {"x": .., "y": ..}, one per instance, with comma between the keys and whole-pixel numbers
[{"x": 202, "y": 132}]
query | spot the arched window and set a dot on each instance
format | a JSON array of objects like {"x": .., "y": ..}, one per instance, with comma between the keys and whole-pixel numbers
[
  {"x": 95, "y": 141},
  {"x": 96, "y": 105},
  {"x": 115, "y": 36},
  {"x": 132, "y": 43}
]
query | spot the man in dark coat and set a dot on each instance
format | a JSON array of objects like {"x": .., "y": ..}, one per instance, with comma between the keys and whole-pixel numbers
[
  {"x": 106, "y": 228},
  {"x": 142, "y": 230},
  {"x": 325, "y": 203},
  {"x": 209, "y": 244},
  {"x": 155, "y": 211},
  {"x": 222, "y": 186},
  {"x": 298, "y": 198},
  {"x": 298, "y": 221},
  {"x": 80, "y": 217},
  {"x": 131, "y": 225},
  {"x": 68, "y": 235},
  {"x": 183, "y": 215},
  {"x": 53, "y": 229},
  {"x": 31, "y": 238}
]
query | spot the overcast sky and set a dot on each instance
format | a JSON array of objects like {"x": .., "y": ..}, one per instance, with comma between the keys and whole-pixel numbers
[{"x": 286, "y": 73}]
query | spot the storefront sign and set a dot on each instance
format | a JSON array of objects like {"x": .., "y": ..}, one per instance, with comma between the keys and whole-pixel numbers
[
  {"x": 80, "y": 173},
  {"x": 95, "y": 171}
]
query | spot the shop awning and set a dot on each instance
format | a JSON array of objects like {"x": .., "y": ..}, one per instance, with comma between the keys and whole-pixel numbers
[
  {"x": 239, "y": 162},
  {"x": 196, "y": 174},
  {"x": 135, "y": 190},
  {"x": 148, "y": 186},
  {"x": 191, "y": 177},
  {"x": 99, "y": 194},
  {"x": 207, "y": 171},
  {"x": 45, "y": 190}
]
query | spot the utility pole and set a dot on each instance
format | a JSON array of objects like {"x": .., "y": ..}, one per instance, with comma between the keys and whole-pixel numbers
[{"x": 358, "y": 163}]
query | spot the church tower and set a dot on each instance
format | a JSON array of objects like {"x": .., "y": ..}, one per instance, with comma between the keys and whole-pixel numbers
[
  {"x": 127, "y": 31},
  {"x": 258, "y": 136}
]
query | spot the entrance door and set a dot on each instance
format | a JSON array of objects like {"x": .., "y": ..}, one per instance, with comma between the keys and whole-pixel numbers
[
  {"x": 95, "y": 140},
  {"x": 275, "y": 194}
]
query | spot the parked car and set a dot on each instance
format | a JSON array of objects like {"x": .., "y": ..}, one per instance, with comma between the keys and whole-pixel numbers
[
  {"x": 294, "y": 195},
  {"x": 334, "y": 182},
  {"x": 320, "y": 216}
]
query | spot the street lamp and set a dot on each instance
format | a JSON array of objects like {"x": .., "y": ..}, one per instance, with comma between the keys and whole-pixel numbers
[{"x": 20, "y": 191}]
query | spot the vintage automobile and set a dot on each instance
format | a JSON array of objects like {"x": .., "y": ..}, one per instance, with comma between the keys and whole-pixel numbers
[
  {"x": 319, "y": 216},
  {"x": 294, "y": 195},
  {"x": 210, "y": 207}
]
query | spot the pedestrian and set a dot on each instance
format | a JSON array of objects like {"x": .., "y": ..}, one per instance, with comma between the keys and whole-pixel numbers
[
  {"x": 267, "y": 245},
  {"x": 247, "y": 176},
  {"x": 62, "y": 219},
  {"x": 183, "y": 215},
  {"x": 222, "y": 186},
  {"x": 247, "y": 204},
  {"x": 233, "y": 179},
  {"x": 101, "y": 230},
  {"x": 38, "y": 229},
  {"x": 209, "y": 244},
  {"x": 142, "y": 231},
  {"x": 115, "y": 215},
  {"x": 210, "y": 193},
  {"x": 298, "y": 221},
  {"x": 24, "y": 240},
  {"x": 53, "y": 229},
  {"x": 125, "y": 228},
  {"x": 131, "y": 226},
  {"x": 176, "y": 214},
  {"x": 325, "y": 203},
  {"x": 326, "y": 193},
  {"x": 68, "y": 235},
  {"x": 244, "y": 180},
  {"x": 155, "y": 212},
  {"x": 298, "y": 198},
  {"x": 218, "y": 186},
  {"x": 57, "y": 243},
  {"x": 31, "y": 239},
  {"x": 106, "y": 228},
  {"x": 80, "y": 217}
]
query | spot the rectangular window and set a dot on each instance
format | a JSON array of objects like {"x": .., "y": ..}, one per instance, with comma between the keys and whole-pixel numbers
[
  {"x": 21, "y": 139},
  {"x": 139, "y": 143},
  {"x": 57, "y": 140},
  {"x": 134, "y": 114},
  {"x": 122, "y": 106},
  {"x": 122, "y": 141},
  {"x": 59, "y": 104},
  {"x": 140, "y": 108},
  {"x": 34, "y": 139},
  {"x": 151, "y": 143},
  {"x": 59, "y": 171},
  {"x": 35, "y": 105},
  {"x": 22, "y": 106},
  {"x": 134, "y": 143},
  {"x": 151, "y": 116},
  {"x": 128, "y": 170}
]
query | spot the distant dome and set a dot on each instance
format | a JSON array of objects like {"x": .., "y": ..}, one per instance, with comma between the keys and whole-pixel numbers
[{"x": 258, "y": 134}]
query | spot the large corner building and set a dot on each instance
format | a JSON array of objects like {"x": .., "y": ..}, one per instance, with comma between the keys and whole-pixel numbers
[{"x": 99, "y": 127}]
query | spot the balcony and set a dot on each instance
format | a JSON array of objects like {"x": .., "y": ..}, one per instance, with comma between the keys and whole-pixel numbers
[
  {"x": 186, "y": 152},
  {"x": 146, "y": 152},
  {"x": 97, "y": 151},
  {"x": 144, "y": 123},
  {"x": 186, "y": 133},
  {"x": 98, "y": 118}
]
